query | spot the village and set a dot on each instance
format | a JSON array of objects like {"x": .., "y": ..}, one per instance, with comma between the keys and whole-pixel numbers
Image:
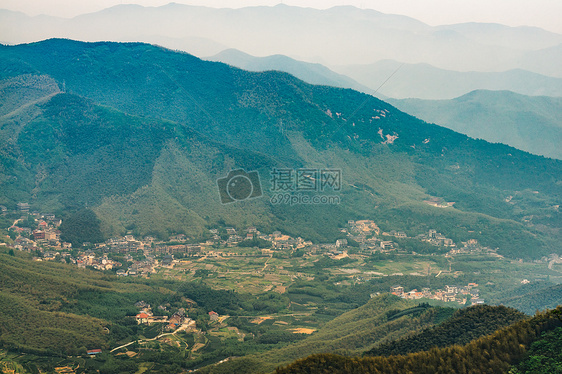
[
  {"x": 146, "y": 255},
  {"x": 39, "y": 234},
  {"x": 128, "y": 256},
  {"x": 251, "y": 262},
  {"x": 459, "y": 294},
  {"x": 177, "y": 322}
]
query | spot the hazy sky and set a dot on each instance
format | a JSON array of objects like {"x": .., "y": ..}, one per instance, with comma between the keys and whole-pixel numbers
[{"x": 542, "y": 13}]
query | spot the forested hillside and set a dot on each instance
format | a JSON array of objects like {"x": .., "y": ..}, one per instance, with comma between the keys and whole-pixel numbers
[
  {"x": 141, "y": 134},
  {"x": 463, "y": 327},
  {"x": 59, "y": 309},
  {"x": 495, "y": 353},
  {"x": 382, "y": 319},
  {"x": 533, "y": 299}
]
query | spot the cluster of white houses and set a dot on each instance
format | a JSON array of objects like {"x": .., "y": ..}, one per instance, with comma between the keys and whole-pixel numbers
[
  {"x": 370, "y": 237},
  {"x": 45, "y": 238},
  {"x": 460, "y": 294},
  {"x": 365, "y": 232},
  {"x": 179, "y": 318}
]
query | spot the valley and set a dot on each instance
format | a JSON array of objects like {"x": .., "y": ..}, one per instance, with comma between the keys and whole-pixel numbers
[
  {"x": 163, "y": 213},
  {"x": 304, "y": 289}
]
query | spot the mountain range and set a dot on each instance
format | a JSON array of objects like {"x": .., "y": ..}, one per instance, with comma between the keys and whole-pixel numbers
[
  {"x": 140, "y": 134},
  {"x": 312, "y": 73},
  {"x": 529, "y": 122},
  {"x": 424, "y": 81},
  {"x": 391, "y": 56},
  {"x": 387, "y": 78},
  {"x": 324, "y": 35}
]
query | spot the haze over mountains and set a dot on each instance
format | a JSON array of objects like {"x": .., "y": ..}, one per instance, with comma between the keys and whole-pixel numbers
[
  {"x": 423, "y": 81},
  {"x": 324, "y": 35}
]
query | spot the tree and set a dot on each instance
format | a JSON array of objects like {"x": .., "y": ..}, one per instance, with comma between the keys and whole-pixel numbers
[
  {"x": 82, "y": 226},
  {"x": 201, "y": 273},
  {"x": 202, "y": 322},
  {"x": 28, "y": 222}
]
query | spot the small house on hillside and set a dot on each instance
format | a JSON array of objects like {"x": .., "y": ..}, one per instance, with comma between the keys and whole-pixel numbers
[
  {"x": 142, "y": 318},
  {"x": 397, "y": 290},
  {"x": 214, "y": 316}
]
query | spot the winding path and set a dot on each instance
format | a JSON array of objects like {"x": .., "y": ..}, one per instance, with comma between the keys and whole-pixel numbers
[{"x": 181, "y": 328}]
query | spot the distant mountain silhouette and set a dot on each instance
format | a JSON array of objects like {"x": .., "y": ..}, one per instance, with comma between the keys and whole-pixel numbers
[{"x": 342, "y": 35}]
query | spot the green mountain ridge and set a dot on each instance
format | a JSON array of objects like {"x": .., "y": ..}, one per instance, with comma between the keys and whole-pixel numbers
[
  {"x": 495, "y": 353},
  {"x": 464, "y": 326},
  {"x": 308, "y": 72},
  {"x": 529, "y": 123},
  {"x": 141, "y": 134}
]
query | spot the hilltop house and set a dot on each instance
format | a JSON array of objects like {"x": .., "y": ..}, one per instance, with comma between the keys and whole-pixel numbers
[
  {"x": 386, "y": 244},
  {"x": 38, "y": 234},
  {"x": 413, "y": 294},
  {"x": 174, "y": 322},
  {"x": 167, "y": 260}
]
